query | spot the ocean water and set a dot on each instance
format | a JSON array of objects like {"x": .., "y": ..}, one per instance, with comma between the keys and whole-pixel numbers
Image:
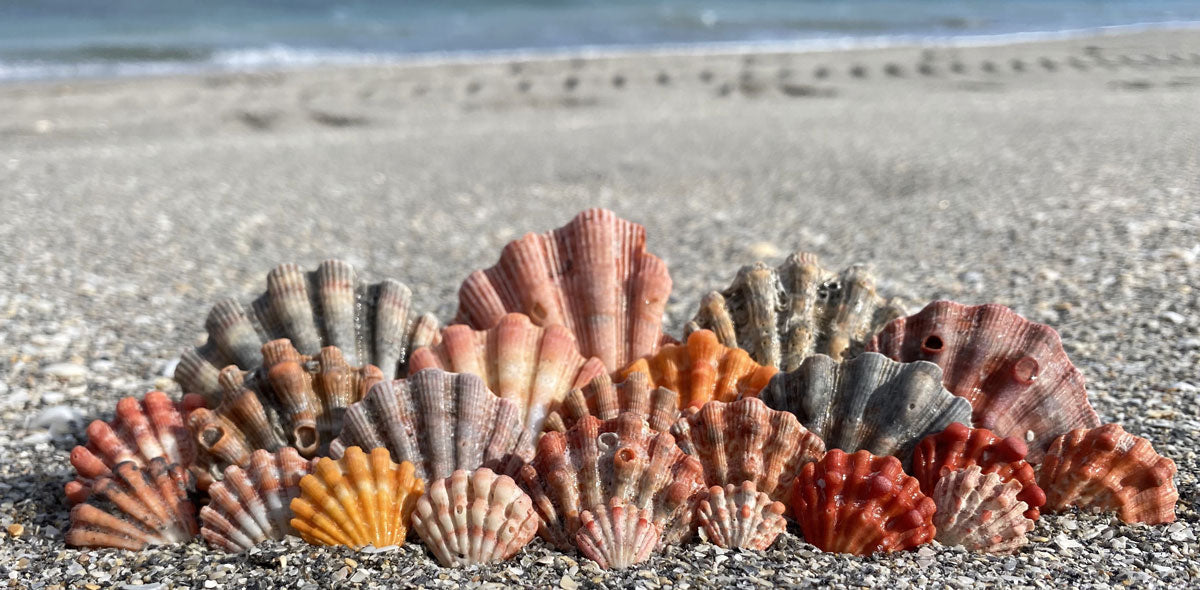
[{"x": 86, "y": 38}]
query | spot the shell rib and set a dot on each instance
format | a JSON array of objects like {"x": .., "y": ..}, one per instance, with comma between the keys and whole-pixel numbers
[
  {"x": 594, "y": 485},
  {"x": 741, "y": 517},
  {"x": 1106, "y": 469},
  {"x": 1014, "y": 372},
  {"x": 358, "y": 500},
  {"x": 372, "y": 323},
  {"x": 703, "y": 370},
  {"x": 473, "y": 518},
  {"x": 861, "y": 504},
  {"x": 980, "y": 512},
  {"x": 252, "y": 505},
  {"x": 606, "y": 400},
  {"x": 869, "y": 402},
  {"x": 534, "y": 367},
  {"x": 592, "y": 275},
  {"x": 441, "y": 422},
  {"x": 959, "y": 447},
  {"x": 784, "y": 315},
  {"x": 147, "y": 507}
]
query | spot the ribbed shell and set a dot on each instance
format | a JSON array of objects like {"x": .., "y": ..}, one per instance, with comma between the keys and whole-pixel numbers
[
  {"x": 372, "y": 323},
  {"x": 741, "y": 517},
  {"x": 1014, "y": 372},
  {"x": 534, "y": 367},
  {"x": 869, "y": 402},
  {"x": 253, "y": 504},
  {"x": 1106, "y": 469},
  {"x": 861, "y": 504},
  {"x": 441, "y": 422},
  {"x": 606, "y": 400},
  {"x": 619, "y": 536},
  {"x": 358, "y": 500},
  {"x": 786, "y": 314},
  {"x": 980, "y": 512},
  {"x": 592, "y": 275},
  {"x": 142, "y": 506},
  {"x": 959, "y": 447},
  {"x": 703, "y": 370},
  {"x": 473, "y": 518}
]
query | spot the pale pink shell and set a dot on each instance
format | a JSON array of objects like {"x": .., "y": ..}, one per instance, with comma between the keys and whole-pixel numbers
[
  {"x": 980, "y": 512},
  {"x": 253, "y": 504},
  {"x": 473, "y": 518},
  {"x": 741, "y": 517},
  {"x": 146, "y": 506}
]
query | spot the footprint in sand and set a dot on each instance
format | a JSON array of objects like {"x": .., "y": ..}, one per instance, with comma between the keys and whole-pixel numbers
[
  {"x": 807, "y": 90},
  {"x": 473, "y": 87},
  {"x": 1136, "y": 84},
  {"x": 663, "y": 79},
  {"x": 858, "y": 71},
  {"x": 958, "y": 67},
  {"x": 1048, "y": 64},
  {"x": 893, "y": 70},
  {"x": 524, "y": 85},
  {"x": 987, "y": 66},
  {"x": 821, "y": 72},
  {"x": 706, "y": 76},
  {"x": 570, "y": 83},
  {"x": 330, "y": 119},
  {"x": 262, "y": 120},
  {"x": 1017, "y": 65},
  {"x": 618, "y": 81},
  {"x": 926, "y": 69}
]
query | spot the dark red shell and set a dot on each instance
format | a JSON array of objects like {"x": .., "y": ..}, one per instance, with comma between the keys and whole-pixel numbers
[{"x": 958, "y": 447}]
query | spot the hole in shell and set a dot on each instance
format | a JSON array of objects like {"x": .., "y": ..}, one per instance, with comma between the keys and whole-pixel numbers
[
  {"x": 209, "y": 437},
  {"x": 932, "y": 344},
  {"x": 306, "y": 438},
  {"x": 1025, "y": 370},
  {"x": 607, "y": 440},
  {"x": 460, "y": 509},
  {"x": 829, "y": 290},
  {"x": 626, "y": 455}
]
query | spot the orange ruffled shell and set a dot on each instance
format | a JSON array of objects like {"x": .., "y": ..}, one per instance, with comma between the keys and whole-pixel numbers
[
  {"x": 703, "y": 370},
  {"x": 959, "y": 447}
]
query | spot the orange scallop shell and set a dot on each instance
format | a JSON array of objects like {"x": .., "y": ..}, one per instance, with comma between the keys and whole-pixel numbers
[
  {"x": 703, "y": 370},
  {"x": 958, "y": 447}
]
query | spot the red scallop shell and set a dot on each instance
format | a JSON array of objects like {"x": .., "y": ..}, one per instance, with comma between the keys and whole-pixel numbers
[{"x": 958, "y": 447}]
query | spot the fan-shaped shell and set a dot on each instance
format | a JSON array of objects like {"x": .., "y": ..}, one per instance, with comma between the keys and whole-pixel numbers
[
  {"x": 861, "y": 504},
  {"x": 1106, "y": 469},
  {"x": 869, "y": 402},
  {"x": 441, "y": 422},
  {"x": 534, "y": 367},
  {"x": 253, "y": 504},
  {"x": 145, "y": 506},
  {"x": 606, "y": 400},
  {"x": 358, "y": 500},
  {"x": 741, "y": 517},
  {"x": 747, "y": 441},
  {"x": 980, "y": 512},
  {"x": 958, "y": 447},
  {"x": 473, "y": 518},
  {"x": 620, "y": 472},
  {"x": 1014, "y": 372},
  {"x": 786, "y": 314},
  {"x": 703, "y": 370},
  {"x": 592, "y": 275},
  {"x": 371, "y": 323}
]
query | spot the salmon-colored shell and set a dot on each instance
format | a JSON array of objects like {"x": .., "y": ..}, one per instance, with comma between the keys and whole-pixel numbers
[
  {"x": 958, "y": 447},
  {"x": 606, "y": 400},
  {"x": 741, "y": 517},
  {"x": 592, "y": 275},
  {"x": 861, "y": 504},
  {"x": 133, "y": 507},
  {"x": 980, "y": 511},
  {"x": 253, "y": 504},
  {"x": 703, "y": 370},
  {"x": 474, "y": 518},
  {"x": 1106, "y": 469},
  {"x": 1014, "y": 372}
]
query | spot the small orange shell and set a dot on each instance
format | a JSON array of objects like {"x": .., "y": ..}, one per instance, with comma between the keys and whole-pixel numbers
[
  {"x": 148, "y": 507},
  {"x": 980, "y": 511},
  {"x": 958, "y": 447},
  {"x": 741, "y": 517},
  {"x": 703, "y": 370},
  {"x": 473, "y": 518},
  {"x": 606, "y": 400}
]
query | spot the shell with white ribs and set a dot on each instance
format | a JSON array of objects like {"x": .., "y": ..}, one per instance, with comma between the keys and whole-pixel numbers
[
  {"x": 145, "y": 506},
  {"x": 252, "y": 505},
  {"x": 606, "y": 400},
  {"x": 980, "y": 512},
  {"x": 741, "y": 517},
  {"x": 473, "y": 518}
]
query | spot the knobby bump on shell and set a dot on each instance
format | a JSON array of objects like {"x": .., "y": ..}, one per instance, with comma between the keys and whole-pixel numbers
[
  {"x": 741, "y": 517},
  {"x": 473, "y": 518},
  {"x": 959, "y": 447},
  {"x": 703, "y": 370},
  {"x": 980, "y": 511},
  {"x": 145, "y": 506},
  {"x": 249, "y": 506},
  {"x": 606, "y": 400}
]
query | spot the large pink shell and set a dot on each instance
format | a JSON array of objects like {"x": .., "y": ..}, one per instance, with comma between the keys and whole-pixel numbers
[
  {"x": 592, "y": 275},
  {"x": 473, "y": 518},
  {"x": 980, "y": 511},
  {"x": 606, "y": 400},
  {"x": 253, "y": 504},
  {"x": 146, "y": 506}
]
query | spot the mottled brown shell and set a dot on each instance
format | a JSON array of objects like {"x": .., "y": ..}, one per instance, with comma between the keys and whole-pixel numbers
[{"x": 606, "y": 400}]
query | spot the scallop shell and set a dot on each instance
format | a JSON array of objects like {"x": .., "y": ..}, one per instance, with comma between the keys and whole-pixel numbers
[
  {"x": 741, "y": 517},
  {"x": 747, "y": 441},
  {"x": 980, "y": 512},
  {"x": 606, "y": 400},
  {"x": 869, "y": 402},
  {"x": 372, "y": 324},
  {"x": 592, "y": 275},
  {"x": 861, "y": 504},
  {"x": 441, "y": 422},
  {"x": 959, "y": 447},
  {"x": 1014, "y": 372},
  {"x": 147, "y": 506},
  {"x": 594, "y": 485},
  {"x": 703, "y": 370},
  {"x": 358, "y": 500},
  {"x": 786, "y": 314},
  {"x": 1106, "y": 469},
  {"x": 252, "y": 505},
  {"x": 473, "y": 518},
  {"x": 534, "y": 367}
]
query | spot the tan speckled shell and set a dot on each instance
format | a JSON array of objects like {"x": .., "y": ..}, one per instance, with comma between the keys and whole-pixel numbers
[
  {"x": 980, "y": 512},
  {"x": 606, "y": 400},
  {"x": 249, "y": 506},
  {"x": 741, "y": 517},
  {"x": 146, "y": 506},
  {"x": 473, "y": 518}
]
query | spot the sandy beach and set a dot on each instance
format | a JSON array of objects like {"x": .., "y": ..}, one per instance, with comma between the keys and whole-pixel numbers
[{"x": 1061, "y": 178}]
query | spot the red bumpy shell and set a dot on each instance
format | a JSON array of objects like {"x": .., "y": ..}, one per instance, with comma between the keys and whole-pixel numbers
[{"x": 958, "y": 447}]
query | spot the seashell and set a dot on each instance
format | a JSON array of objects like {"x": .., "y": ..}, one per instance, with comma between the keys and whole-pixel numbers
[
  {"x": 861, "y": 504},
  {"x": 441, "y": 422},
  {"x": 141, "y": 431},
  {"x": 1014, "y": 372},
  {"x": 1106, "y": 469},
  {"x": 592, "y": 275},
  {"x": 358, "y": 500},
  {"x": 613, "y": 488},
  {"x": 741, "y": 517},
  {"x": 534, "y": 367},
  {"x": 747, "y": 441},
  {"x": 958, "y": 447},
  {"x": 606, "y": 400},
  {"x": 473, "y": 518},
  {"x": 703, "y": 370},
  {"x": 869, "y": 402},
  {"x": 784, "y": 315},
  {"x": 371, "y": 323},
  {"x": 980, "y": 511},
  {"x": 148, "y": 507},
  {"x": 252, "y": 505}
]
